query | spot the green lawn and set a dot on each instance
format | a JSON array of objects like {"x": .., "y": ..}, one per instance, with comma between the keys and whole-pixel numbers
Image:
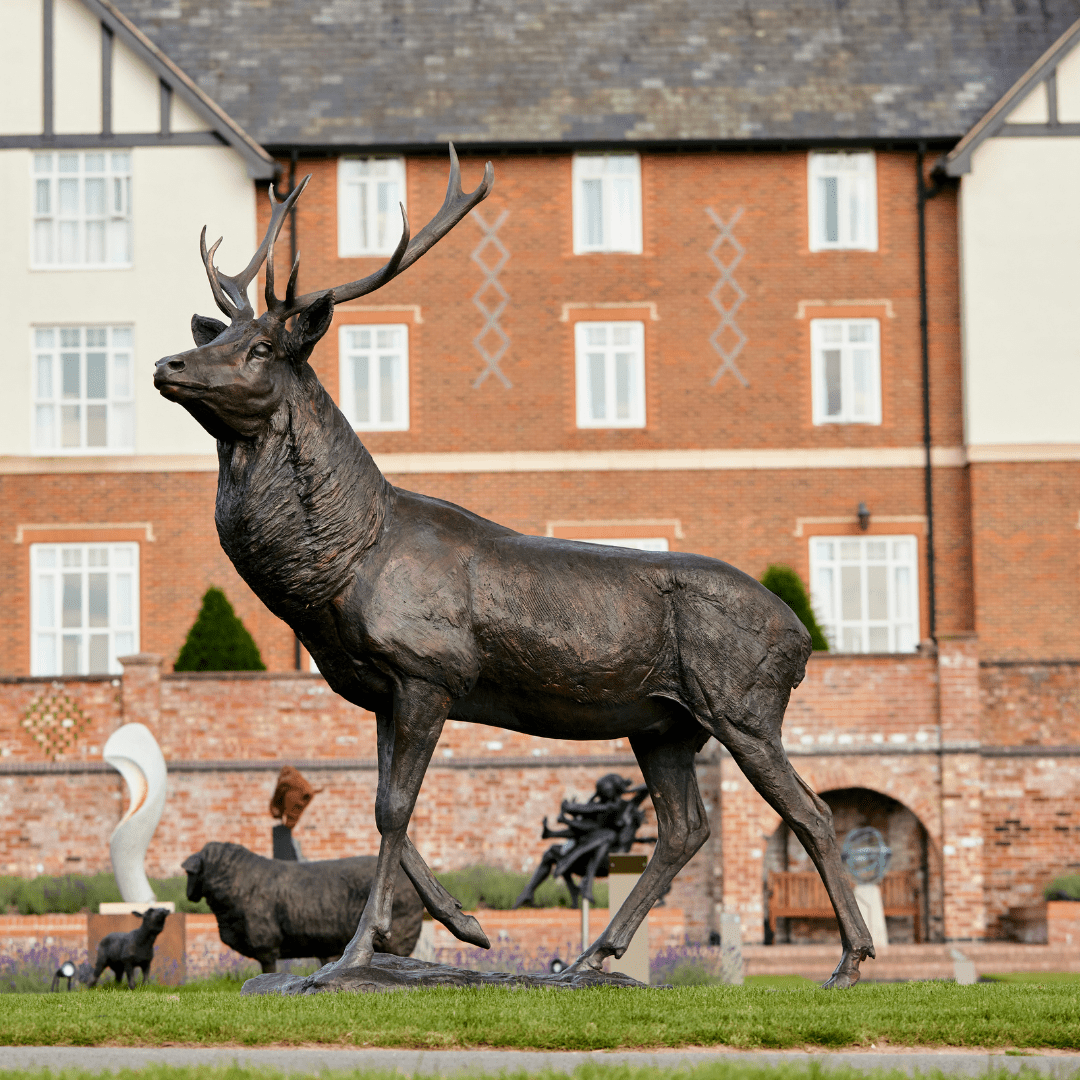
[
  {"x": 712, "y": 1071},
  {"x": 1043, "y": 978},
  {"x": 1030, "y": 1015}
]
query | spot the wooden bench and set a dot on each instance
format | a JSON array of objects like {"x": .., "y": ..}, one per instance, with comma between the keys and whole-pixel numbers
[{"x": 800, "y": 894}]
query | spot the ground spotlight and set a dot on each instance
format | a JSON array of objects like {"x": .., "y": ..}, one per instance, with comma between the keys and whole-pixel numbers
[
  {"x": 556, "y": 966},
  {"x": 65, "y": 971}
]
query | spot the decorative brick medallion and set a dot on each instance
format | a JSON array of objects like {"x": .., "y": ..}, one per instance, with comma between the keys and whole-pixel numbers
[{"x": 55, "y": 723}]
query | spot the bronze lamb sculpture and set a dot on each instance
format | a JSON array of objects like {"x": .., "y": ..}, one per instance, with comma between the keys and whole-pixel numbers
[
  {"x": 420, "y": 611},
  {"x": 124, "y": 953}
]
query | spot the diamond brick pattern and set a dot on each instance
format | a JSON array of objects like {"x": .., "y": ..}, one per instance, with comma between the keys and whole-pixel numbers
[
  {"x": 491, "y": 298},
  {"x": 727, "y": 339}
]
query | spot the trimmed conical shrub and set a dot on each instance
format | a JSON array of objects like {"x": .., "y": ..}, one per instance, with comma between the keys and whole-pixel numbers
[
  {"x": 783, "y": 581},
  {"x": 218, "y": 641}
]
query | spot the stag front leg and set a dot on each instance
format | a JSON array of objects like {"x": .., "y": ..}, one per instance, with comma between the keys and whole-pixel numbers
[
  {"x": 436, "y": 899},
  {"x": 420, "y": 711},
  {"x": 443, "y": 906},
  {"x": 667, "y": 763}
]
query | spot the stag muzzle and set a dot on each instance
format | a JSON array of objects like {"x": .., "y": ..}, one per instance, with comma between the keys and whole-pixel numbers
[{"x": 164, "y": 370}]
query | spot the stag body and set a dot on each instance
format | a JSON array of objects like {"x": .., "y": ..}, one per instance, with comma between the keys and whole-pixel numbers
[{"x": 419, "y": 610}]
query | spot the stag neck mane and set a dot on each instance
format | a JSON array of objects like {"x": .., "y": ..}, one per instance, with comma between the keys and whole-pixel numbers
[{"x": 298, "y": 506}]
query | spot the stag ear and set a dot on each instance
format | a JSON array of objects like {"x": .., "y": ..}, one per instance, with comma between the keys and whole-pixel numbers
[
  {"x": 312, "y": 322},
  {"x": 204, "y": 330}
]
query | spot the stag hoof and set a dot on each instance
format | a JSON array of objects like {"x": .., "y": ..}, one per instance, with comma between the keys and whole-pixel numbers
[
  {"x": 846, "y": 974},
  {"x": 586, "y": 962},
  {"x": 465, "y": 928}
]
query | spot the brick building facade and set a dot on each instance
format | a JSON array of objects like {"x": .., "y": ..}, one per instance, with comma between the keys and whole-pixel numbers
[{"x": 732, "y": 274}]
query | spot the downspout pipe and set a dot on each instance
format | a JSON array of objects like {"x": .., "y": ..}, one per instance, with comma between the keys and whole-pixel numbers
[
  {"x": 293, "y": 244},
  {"x": 924, "y": 193}
]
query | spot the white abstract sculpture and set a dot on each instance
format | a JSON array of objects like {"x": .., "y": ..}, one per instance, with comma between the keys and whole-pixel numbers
[{"x": 133, "y": 751}]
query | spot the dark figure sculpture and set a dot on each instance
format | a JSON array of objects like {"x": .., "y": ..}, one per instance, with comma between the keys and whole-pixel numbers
[
  {"x": 418, "y": 610},
  {"x": 135, "y": 949},
  {"x": 272, "y": 910},
  {"x": 607, "y": 822}
]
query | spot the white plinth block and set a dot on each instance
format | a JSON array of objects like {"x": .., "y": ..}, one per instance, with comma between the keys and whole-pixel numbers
[
  {"x": 625, "y": 871},
  {"x": 868, "y": 897},
  {"x": 123, "y": 907}
]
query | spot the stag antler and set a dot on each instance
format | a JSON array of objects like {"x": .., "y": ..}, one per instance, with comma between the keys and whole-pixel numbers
[
  {"x": 230, "y": 293},
  {"x": 455, "y": 206}
]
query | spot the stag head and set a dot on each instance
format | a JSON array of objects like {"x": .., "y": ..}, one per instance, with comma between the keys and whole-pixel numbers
[{"x": 241, "y": 373}]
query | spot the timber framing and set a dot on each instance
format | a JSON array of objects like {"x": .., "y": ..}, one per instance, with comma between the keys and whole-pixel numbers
[
  {"x": 224, "y": 131},
  {"x": 996, "y": 122}
]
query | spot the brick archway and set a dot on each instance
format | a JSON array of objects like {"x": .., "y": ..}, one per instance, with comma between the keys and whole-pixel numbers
[
  {"x": 914, "y": 884},
  {"x": 748, "y": 822}
]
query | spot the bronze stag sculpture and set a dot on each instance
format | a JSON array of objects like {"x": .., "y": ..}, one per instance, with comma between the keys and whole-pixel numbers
[{"x": 419, "y": 610}]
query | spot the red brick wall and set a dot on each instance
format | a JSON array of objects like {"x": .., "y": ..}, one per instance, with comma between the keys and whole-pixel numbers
[
  {"x": 1030, "y": 704},
  {"x": 488, "y": 789},
  {"x": 175, "y": 568},
  {"x": 1026, "y": 549},
  {"x": 1031, "y": 804},
  {"x": 777, "y": 271},
  {"x": 748, "y": 518}
]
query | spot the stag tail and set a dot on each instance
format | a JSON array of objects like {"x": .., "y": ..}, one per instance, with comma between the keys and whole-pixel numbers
[{"x": 230, "y": 293}]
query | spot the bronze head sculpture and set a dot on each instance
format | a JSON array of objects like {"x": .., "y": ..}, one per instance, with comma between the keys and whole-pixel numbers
[
  {"x": 291, "y": 797},
  {"x": 420, "y": 611}
]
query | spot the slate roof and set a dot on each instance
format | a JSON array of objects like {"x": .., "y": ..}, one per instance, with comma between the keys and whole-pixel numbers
[{"x": 418, "y": 72}]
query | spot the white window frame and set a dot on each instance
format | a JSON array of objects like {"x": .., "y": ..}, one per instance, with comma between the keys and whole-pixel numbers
[
  {"x": 618, "y": 233},
  {"x": 47, "y": 588},
  {"x": 898, "y": 629},
  {"x": 583, "y": 351},
  {"x": 53, "y": 175},
  {"x": 349, "y": 350},
  {"x": 638, "y": 543},
  {"x": 859, "y": 369},
  {"x": 853, "y": 179},
  {"x": 49, "y": 404},
  {"x": 358, "y": 200}
]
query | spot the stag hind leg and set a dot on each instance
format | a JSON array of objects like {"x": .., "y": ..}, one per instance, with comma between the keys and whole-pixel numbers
[
  {"x": 667, "y": 763},
  {"x": 755, "y": 745}
]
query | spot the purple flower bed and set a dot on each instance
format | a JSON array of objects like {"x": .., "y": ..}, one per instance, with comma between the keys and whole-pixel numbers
[
  {"x": 511, "y": 958},
  {"x": 30, "y": 970},
  {"x": 687, "y": 965}
]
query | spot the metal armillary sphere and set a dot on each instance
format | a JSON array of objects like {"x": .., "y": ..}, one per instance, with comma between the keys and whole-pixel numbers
[{"x": 866, "y": 855}]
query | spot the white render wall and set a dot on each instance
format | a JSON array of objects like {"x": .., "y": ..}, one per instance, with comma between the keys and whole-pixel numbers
[
  {"x": 175, "y": 191},
  {"x": 1020, "y": 279},
  {"x": 77, "y": 76}
]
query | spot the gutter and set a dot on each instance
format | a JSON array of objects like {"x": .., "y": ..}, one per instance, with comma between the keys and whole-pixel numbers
[{"x": 466, "y": 147}]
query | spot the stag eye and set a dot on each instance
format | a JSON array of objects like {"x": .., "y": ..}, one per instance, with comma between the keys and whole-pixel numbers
[{"x": 262, "y": 350}]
